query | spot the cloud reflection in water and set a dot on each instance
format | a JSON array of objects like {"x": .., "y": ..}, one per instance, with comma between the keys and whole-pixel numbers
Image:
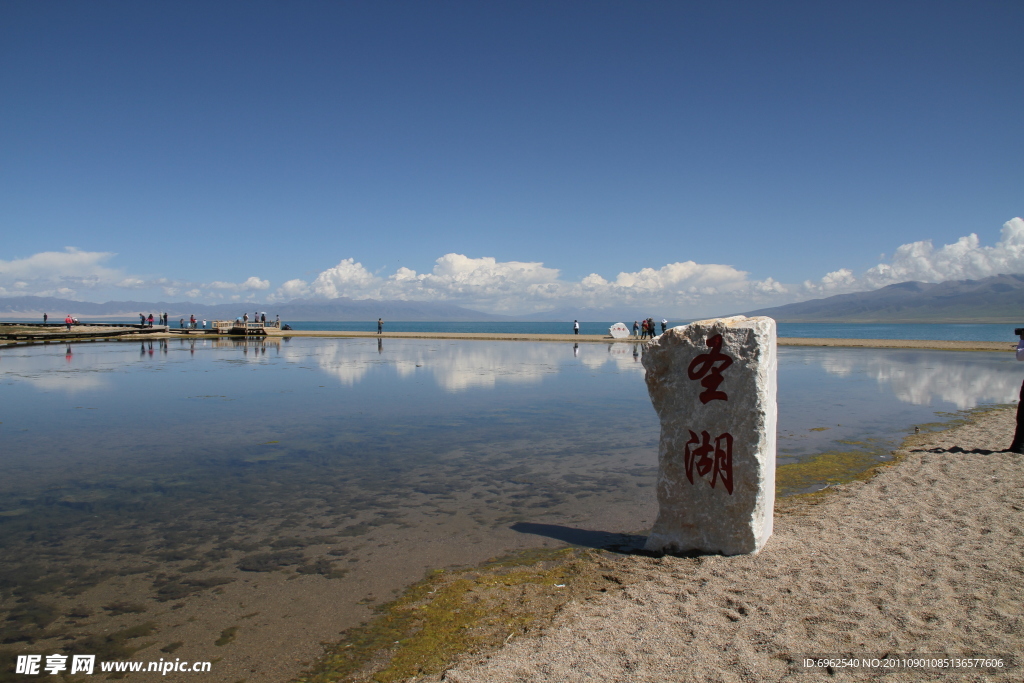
[
  {"x": 459, "y": 366},
  {"x": 920, "y": 378}
]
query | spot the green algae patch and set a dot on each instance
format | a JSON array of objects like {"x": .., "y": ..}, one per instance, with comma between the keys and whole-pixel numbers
[
  {"x": 451, "y": 613},
  {"x": 865, "y": 459},
  {"x": 962, "y": 417},
  {"x": 836, "y": 467}
]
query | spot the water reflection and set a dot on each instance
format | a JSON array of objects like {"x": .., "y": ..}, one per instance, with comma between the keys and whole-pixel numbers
[
  {"x": 924, "y": 378},
  {"x": 225, "y": 479},
  {"x": 459, "y": 366}
]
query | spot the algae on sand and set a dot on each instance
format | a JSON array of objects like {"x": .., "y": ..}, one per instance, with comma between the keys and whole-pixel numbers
[
  {"x": 862, "y": 461},
  {"x": 454, "y": 612}
]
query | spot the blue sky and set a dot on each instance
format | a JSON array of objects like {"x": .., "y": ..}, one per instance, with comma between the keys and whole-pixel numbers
[{"x": 509, "y": 156}]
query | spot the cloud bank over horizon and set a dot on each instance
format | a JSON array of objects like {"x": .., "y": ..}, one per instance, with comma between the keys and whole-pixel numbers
[
  {"x": 73, "y": 272},
  {"x": 520, "y": 287}
]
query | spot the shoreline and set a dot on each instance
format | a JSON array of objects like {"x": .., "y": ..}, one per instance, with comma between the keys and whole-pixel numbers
[{"x": 940, "y": 345}]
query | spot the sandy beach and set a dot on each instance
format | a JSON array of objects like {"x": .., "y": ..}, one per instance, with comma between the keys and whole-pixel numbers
[{"x": 924, "y": 558}]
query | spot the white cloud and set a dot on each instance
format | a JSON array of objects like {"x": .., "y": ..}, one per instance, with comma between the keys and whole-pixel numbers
[
  {"x": 965, "y": 259},
  {"x": 73, "y": 273},
  {"x": 251, "y": 284},
  {"x": 292, "y": 289},
  {"x": 487, "y": 280},
  {"x": 58, "y": 273},
  {"x": 680, "y": 288},
  {"x": 525, "y": 286},
  {"x": 348, "y": 278}
]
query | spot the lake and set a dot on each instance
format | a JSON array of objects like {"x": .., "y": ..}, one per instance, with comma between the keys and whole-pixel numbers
[{"x": 202, "y": 485}]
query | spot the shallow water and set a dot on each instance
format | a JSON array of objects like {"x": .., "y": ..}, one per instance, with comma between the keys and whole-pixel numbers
[
  {"x": 180, "y": 464},
  {"x": 92, "y": 408}
]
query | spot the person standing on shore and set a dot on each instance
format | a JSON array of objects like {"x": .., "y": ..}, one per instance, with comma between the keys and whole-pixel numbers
[
  {"x": 575, "y": 326},
  {"x": 45, "y": 318},
  {"x": 1018, "y": 437},
  {"x": 150, "y": 320},
  {"x": 69, "y": 321},
  {"x": 380, "y": 325},
  {"x": 664, "y": 324},
  {"x": 636, "y": 329}
]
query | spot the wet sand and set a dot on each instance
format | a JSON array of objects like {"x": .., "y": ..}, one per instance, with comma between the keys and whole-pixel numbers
[{"x": 924, "y": 558}]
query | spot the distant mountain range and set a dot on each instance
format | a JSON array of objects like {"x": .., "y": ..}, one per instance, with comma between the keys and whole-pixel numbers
[{"x": 996, "y": 299}]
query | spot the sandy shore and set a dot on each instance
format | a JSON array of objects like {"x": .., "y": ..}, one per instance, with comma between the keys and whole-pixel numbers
[{"x": 925, "y": 558}]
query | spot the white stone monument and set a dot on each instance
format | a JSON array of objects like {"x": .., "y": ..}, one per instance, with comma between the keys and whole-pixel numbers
[
  {"x": 713, "y": 385},
  {"x": 619, "y": 331}
]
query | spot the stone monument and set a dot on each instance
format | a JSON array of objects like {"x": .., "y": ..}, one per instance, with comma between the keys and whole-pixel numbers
[
  {"x": 713, "y": 385},
  {"x": 618, "y": 331}
]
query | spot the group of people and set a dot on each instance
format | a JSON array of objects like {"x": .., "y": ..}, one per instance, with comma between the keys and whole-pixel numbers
[
  {"x": 193, "y": 323},
  {"x": 148, "y": 322},
  {"x": 648, "y": 329},
  {"x": 258, "y": 317}
]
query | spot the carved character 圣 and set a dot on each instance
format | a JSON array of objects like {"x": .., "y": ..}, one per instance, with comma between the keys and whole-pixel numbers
[
  {"x": 720, "y": 465},
  {"x": 708, "y": 367}
]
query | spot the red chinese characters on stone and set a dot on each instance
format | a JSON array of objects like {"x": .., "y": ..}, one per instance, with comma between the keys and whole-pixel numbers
[
  {"x": 708, "y": 367},
  {"x": 707, "y": 457}
]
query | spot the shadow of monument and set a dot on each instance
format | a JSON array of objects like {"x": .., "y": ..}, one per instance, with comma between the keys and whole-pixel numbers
[
  {"x": 626, "y": 544},
  {"x": 956, "y": 449}
]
